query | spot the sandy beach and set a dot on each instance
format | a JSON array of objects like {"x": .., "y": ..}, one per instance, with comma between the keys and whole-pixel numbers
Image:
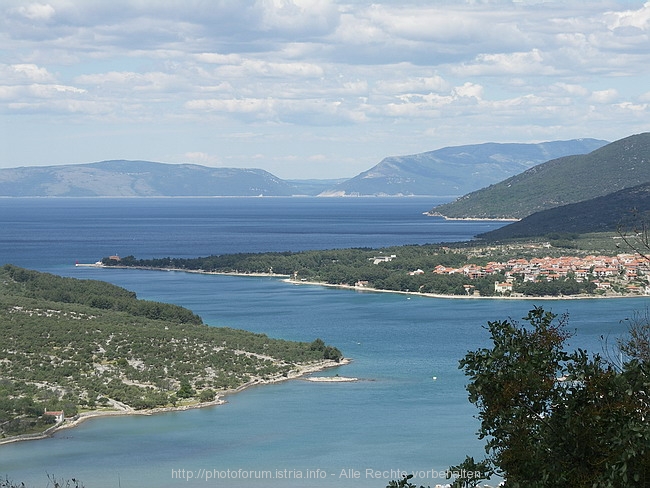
[{"x": 369, "y": 289}]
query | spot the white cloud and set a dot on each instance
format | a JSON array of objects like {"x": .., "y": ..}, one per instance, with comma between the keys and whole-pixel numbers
[
  {"x": 202, "y": 158},
  {"x": 500, "y": 64},
  {"x": 269, "y": 110},
  {"x": 21, "y": 73},
  {"x": 412, "y": 85},
  {"x": 469, "y": 90},
  {"x": 241, "y": 106},
  {"x": 32, "y": 95},
  {"x": 151, "y": 81},
  {"x": 637, "y": 19},
  {"x": 604, "y": 96},
  {"x": 216, "y": 58},
  {"x": 360, "y": 79},
  {"x": 637, "y": 108},
  {"x": 37, "y": 11},
  {"x": 572, "y": 89},
  {"x": 298, "y": 69},
  {"x": 298, "y": 16}
]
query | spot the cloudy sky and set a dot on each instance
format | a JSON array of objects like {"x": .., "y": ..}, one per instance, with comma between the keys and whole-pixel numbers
[{"x": 313, "y": 88}]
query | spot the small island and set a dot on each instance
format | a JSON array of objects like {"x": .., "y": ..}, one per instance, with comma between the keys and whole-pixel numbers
[
  {"x": 74, "y": 349},
  {"x": 331, "y": 379}
]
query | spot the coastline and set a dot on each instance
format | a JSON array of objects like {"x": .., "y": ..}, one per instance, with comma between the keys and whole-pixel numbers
[
  {"x": 301, "y": 371},
  {"x": 287, "y": 279},
  {"x": 470, "y": 219},
  {"x": 183, "y": 270},
  {"x": 461, "y": 297}
]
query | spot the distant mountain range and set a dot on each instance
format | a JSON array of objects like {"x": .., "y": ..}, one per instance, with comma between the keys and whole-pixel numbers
[
  {"x": 147, "y": 179},
  {"x": 621, "y": 164},
  {"x": 453, "y": 171},
  {"x": 449, "y": 171}
]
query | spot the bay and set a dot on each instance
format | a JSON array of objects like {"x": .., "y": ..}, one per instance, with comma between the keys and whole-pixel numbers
[
  {"x": 46, "y": 232},
  {"x": 397, "y": 419}
]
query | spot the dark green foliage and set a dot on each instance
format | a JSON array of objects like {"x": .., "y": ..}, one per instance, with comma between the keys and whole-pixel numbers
[
  {"x": 52, "y": 482},
  {"x": 207, "y": 395},
  {"x": 636, "y": 343},
  {"x": 563, "y": 224},
  {"x": 469, "y": 473},
  {"x": 552, "y": 418},
  {"x": 68, "y": 354},
  {"x": 560, "y": 287},
  {"x": 186, "y": 390},
  {"x": 621, "y": 164},
  {"x": 338, "y": 267},
  {"x": 328, "y": 352},
  {"x": 95, "y": 294},
  {"x": 349, "y": 266},
  {"x": 405, "y": 482}
]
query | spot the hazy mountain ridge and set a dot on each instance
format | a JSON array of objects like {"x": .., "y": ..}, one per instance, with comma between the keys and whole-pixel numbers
[
  {"x": 622, "y": 164},
  {"x": 457, "y": 170},
  {"x": 121, "y": 178},
  {"x": 445, "y": 172}
]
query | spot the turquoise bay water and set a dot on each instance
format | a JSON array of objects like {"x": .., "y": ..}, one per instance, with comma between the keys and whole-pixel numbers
[{"x": 397, "y": 419}]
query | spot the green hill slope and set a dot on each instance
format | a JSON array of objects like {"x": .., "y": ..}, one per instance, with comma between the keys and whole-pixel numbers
[
  {"x": 625, "y": 209},
  {"x": 621, "y": 164}
]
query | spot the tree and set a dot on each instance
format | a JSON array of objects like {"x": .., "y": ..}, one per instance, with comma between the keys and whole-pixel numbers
[
  {"x": 636, "y": 343},
  {"x": 186, "y": 390},
  {"x": 403, "y": 483},
  {"x": 207, "y": 395},
  {"x": 552, "y": 418},
  {"x": 635, "y": 233}
]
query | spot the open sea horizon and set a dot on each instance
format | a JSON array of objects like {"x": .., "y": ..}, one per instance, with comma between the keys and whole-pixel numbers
[{"x": 397, "y": 419}]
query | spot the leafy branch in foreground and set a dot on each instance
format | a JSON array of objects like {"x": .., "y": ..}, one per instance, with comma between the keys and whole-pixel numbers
[
  {"x": 53, "y": 482},
  {"x": 552, "y": 418},
  {"x": 636, "y": 233},
  {"x": 636, "y": 343}
]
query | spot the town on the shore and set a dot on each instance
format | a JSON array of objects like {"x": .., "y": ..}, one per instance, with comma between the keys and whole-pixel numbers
[
  {"x": 623, "y": 272},
  {"x": 611, "y": 275}
]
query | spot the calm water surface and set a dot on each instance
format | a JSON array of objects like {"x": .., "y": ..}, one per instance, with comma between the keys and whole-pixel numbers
[{"x": 397, "y": 419}]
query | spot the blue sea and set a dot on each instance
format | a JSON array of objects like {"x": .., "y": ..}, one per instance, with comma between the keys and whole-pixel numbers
[{"x": 297, "y": 433}]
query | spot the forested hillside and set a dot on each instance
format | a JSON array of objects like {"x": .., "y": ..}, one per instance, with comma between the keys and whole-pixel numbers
[
  {"x": 621, "y": 164},
  {"x": 75, "y": 345},
  {"x": 623, "y": 210}
]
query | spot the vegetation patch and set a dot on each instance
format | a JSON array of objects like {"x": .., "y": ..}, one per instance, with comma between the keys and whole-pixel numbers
[
  {"x": 563, "y": 265},
  {"x": 75, "y": 345}
]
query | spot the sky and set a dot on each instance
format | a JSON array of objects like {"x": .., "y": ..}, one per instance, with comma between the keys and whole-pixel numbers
[{"x": 313, "y": 88}]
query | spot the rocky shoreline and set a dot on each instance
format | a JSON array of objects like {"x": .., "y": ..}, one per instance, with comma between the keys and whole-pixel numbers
[{"x": 300, "y": 372}]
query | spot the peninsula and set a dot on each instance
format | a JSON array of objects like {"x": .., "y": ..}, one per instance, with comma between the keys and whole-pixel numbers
[
  {"x": 584, "y": 266},
  {"x": 73, "y": 349}
]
